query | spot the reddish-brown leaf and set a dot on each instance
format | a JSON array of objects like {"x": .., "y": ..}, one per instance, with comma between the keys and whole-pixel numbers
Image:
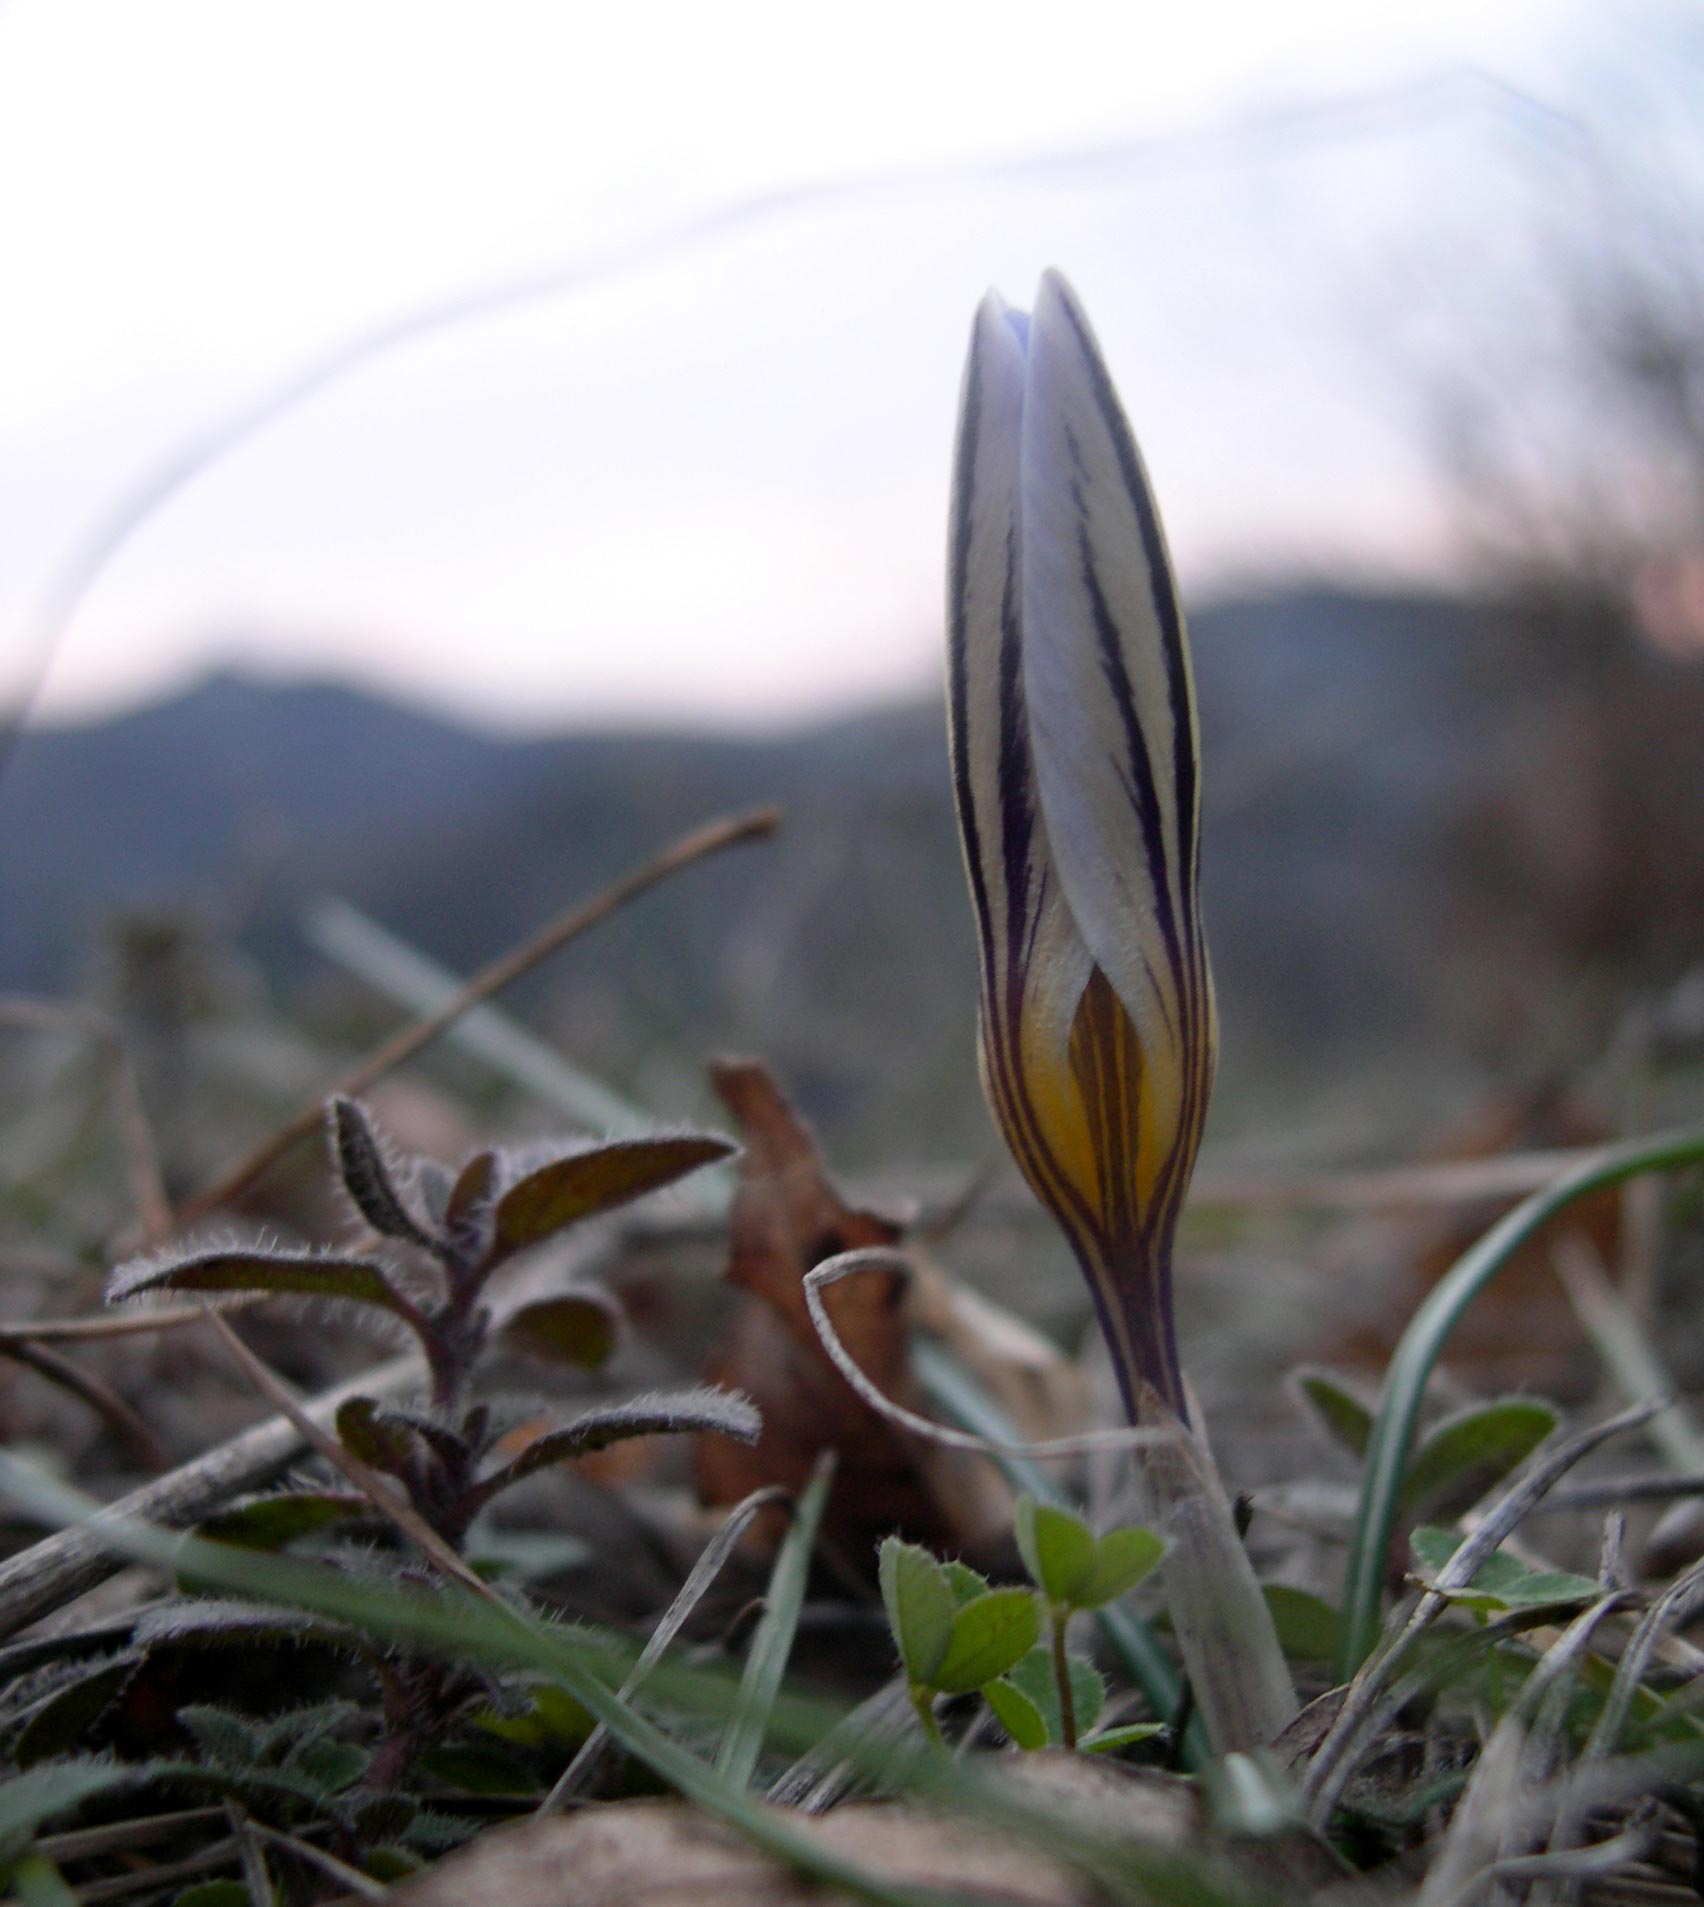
[{"x": 787, "y": 1218}]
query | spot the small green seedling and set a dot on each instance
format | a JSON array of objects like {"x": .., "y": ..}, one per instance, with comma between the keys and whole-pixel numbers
[
  {"x": 1460, "y": 1459},
  {"x": 954, "y": 1633},
  {"x": 1074, "y": 1570},
  {"x": 1502, "y": 1584}
]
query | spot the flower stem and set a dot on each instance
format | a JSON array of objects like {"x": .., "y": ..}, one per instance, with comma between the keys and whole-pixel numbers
[
  {"x": 923, "y": 1700},
  {"x": 1062, "y": 1676}
]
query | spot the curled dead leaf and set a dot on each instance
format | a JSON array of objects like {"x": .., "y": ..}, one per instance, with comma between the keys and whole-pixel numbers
[{"x": 787, "y": 1218}]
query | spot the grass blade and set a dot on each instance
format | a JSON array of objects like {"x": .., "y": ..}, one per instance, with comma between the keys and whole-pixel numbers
[
  {"x": 1422, "y": 1344},
  {"x": 772, "y": 1641}
]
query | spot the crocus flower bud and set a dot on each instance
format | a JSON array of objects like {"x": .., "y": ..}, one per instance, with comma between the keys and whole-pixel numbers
[{"x": 1075, "y": 769}]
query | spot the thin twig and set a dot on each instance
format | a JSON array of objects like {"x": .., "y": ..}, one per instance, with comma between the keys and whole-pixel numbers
[
  {"x": 340, "y": 1871},
  {"x": 250, "y": 1860},
  {"x": 696, "y": 846},
  {"x": 123, "y": 1324},
  {"x": 105, "y": 1402}
]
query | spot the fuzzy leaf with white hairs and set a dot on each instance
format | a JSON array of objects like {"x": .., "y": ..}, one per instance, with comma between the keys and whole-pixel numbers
[
  {"x": 369, "y": 1177},
  {"x": 300, "y": 1274},
  {"x": 672, "y": 1413},
  {"x": 581, "y": 1184}
]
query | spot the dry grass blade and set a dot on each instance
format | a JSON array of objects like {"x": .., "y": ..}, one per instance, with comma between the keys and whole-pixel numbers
[
  {"x": 40, "y": 1579},
  {"x": 771, "y": 1645},
  {"x": 1452, "y": 1182},
  {"x": 1333, "y": 1762},
  {"x": 153, "y": 1880},
  {"x": 250, "y": 1859},
  {"x": 105, "y": 1402},
  {"x": 1628, "y": 1355},
  {"x": 128, "y": 1324},
  {"x": 1480, "y": 1832},
  {"x": 81, "y": 1844},
  {"x": 702, "y": 1574},
  {"x": 1463, "y": 1864},
  {"x": 702, "y": 842},
  {"x": 1668, "y": 1611}
]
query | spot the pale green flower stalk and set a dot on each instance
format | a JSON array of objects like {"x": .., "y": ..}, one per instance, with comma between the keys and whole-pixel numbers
[{"x": 1075, "y": 755}]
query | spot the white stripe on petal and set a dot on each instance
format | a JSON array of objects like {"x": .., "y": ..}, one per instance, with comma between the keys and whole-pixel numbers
[{"x": 1112, "y": 704}]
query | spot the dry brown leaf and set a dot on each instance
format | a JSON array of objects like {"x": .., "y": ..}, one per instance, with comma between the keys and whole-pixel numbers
[
  {"x": 787, "y": 1219},
  {"x": 664, "y": 1854}
]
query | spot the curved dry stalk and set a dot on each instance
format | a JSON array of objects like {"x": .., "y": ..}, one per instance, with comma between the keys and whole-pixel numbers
[
  {"x": 105, "y": 1402},
  {"x": 128, "y": 1324}
]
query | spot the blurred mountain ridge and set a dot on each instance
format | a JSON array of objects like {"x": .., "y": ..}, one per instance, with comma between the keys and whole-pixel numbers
[{"x": 1360, "y": 749}]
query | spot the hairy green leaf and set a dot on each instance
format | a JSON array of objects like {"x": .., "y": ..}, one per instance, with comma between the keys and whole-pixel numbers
[
  {"x": 332, "y": 1766},
  {"x": 580, "y": 1328},
  {"x": 988, "y": 1636},
  {"x": 272, "y": 1521},
  {"x": 1126, "y": 1735},
  {"x": 552, "y": 1717},
  {"x": 468, "y": 1207},
  {"x": 919, "y": 1603},
  {"x": 1034, "y": 1679},
  {"x": 1017, "y": 1714},
  {"x": 286, "y": 1274},
  {"x": 965, "y": 1583},
  {"x": 226, "y": 1738},
  {"x": 1501, "y": 1581},
  {"x": 1471, "y": 1453},
  {"x": 64, "y": 1720},
  {"x": 30, "y": 1800},
  {"x": 1122, "y": 1558},
  {"x": 581, "y": 1184},
  {"x": 1057, "y": 1546},
  {"x": 1307, "y": 1625},
  {"x": 1339, "y": 1411},
  {"x": 368, "y": 1176},
  {"x": 724, "y": 1413},
  {"x": 207, "y": 1621},
  {"x": 368, "y": 1431}
]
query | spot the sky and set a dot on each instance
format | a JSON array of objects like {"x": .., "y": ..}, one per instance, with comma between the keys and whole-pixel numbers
[{"x": 676, "y": 299}]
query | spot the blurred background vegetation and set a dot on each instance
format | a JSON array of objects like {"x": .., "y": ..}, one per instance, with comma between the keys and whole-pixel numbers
[{"x": 1454, "y": 851}]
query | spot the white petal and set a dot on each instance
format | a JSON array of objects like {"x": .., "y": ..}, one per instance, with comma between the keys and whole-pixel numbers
[{"x": 1112, "y": 703}]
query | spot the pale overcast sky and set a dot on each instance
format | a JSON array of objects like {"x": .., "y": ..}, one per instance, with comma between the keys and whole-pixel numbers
[{"x": 707, "y": 480}]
